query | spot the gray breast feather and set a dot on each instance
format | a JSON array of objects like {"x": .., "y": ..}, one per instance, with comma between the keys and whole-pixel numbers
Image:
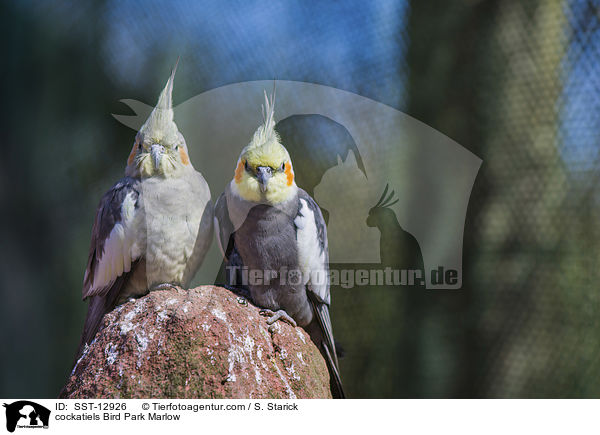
[{"x": 113, "y": 248}]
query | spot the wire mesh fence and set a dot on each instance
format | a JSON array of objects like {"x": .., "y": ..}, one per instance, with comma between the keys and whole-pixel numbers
[{"x": 516, "y": 83}]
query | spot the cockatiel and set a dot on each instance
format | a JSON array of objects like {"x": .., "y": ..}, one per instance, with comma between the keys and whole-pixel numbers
[
  {"x": 153, "y": 227},
  {"x": 265, "y": 222}
]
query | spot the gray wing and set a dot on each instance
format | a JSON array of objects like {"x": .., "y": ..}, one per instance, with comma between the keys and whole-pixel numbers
[
  {"x": 224, "y": 230},
  {"x": 114, "y": 253},
  {"x": 313, "y": 256},
  {"x": 223, "y": 226},
  {"x": 114, "y": 247}
]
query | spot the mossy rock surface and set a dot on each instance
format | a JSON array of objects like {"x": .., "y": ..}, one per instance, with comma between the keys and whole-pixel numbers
[{"x": 199, "y": 343}]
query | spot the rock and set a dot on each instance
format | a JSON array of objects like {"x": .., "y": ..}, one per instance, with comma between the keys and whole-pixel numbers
[{"x": 201, "y": 343}]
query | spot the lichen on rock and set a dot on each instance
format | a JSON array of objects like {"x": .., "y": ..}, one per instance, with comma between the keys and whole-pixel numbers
[{"x": 200, "y": 343}]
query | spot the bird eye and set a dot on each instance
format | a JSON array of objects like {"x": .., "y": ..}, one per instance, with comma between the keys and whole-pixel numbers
[
  {"x": 282, "y": 167},
  {"x": 246, "y": 165}
]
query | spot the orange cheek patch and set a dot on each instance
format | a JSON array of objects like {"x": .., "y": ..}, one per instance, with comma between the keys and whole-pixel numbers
[
  {"x": 289, "y": 173},
  {"x": 184, "y": 157},
  {"x": 238, "y": 171},
  {"x": 132, "y": 155}
]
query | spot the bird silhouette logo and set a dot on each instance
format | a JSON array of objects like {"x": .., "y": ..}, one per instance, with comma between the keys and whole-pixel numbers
[
  {"x": 397, "y": 247},
  {"x": 427, "y": 174}
]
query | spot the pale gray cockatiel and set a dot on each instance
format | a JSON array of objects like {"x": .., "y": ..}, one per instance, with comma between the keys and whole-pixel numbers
[
  {"x": 153, "y": 227},
  {"x": 264, "y": 222}
]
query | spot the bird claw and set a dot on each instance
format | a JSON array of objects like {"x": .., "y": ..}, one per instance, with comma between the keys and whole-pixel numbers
[{"x": 274, "y": 316}]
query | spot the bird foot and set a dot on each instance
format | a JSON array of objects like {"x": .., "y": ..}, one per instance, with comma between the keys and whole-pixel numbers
[{"x": 274, "y": 316}]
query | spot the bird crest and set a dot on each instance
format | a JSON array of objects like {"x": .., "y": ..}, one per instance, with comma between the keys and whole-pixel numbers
[
  {"x": 386, "y": 201},
  {"x": 266, "y": 132},
  {"x": 160, "y": 127}
]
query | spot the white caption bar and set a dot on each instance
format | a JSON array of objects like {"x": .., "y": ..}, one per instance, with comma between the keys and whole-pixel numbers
[{"x": 299, "y": 416}]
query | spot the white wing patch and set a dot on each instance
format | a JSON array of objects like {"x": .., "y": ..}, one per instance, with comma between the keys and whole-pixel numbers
[
  {"x": 121, "y": 249},
  {"x": 310, "y": 257}
]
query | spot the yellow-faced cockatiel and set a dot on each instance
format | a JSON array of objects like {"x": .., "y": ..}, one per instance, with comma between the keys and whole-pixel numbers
[{"x": 266, "y": 223}]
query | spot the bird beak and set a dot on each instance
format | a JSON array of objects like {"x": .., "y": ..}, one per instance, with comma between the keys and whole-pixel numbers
[
  {"x": 157, "y": 151},
  {"x": 263, "y": 174}
]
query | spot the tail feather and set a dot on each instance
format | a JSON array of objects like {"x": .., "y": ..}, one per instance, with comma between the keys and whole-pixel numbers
[
  {"x": 98, "y": 306},
  {"x": 337, "y": 390},
  {"x": 326, "y": 345}
]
